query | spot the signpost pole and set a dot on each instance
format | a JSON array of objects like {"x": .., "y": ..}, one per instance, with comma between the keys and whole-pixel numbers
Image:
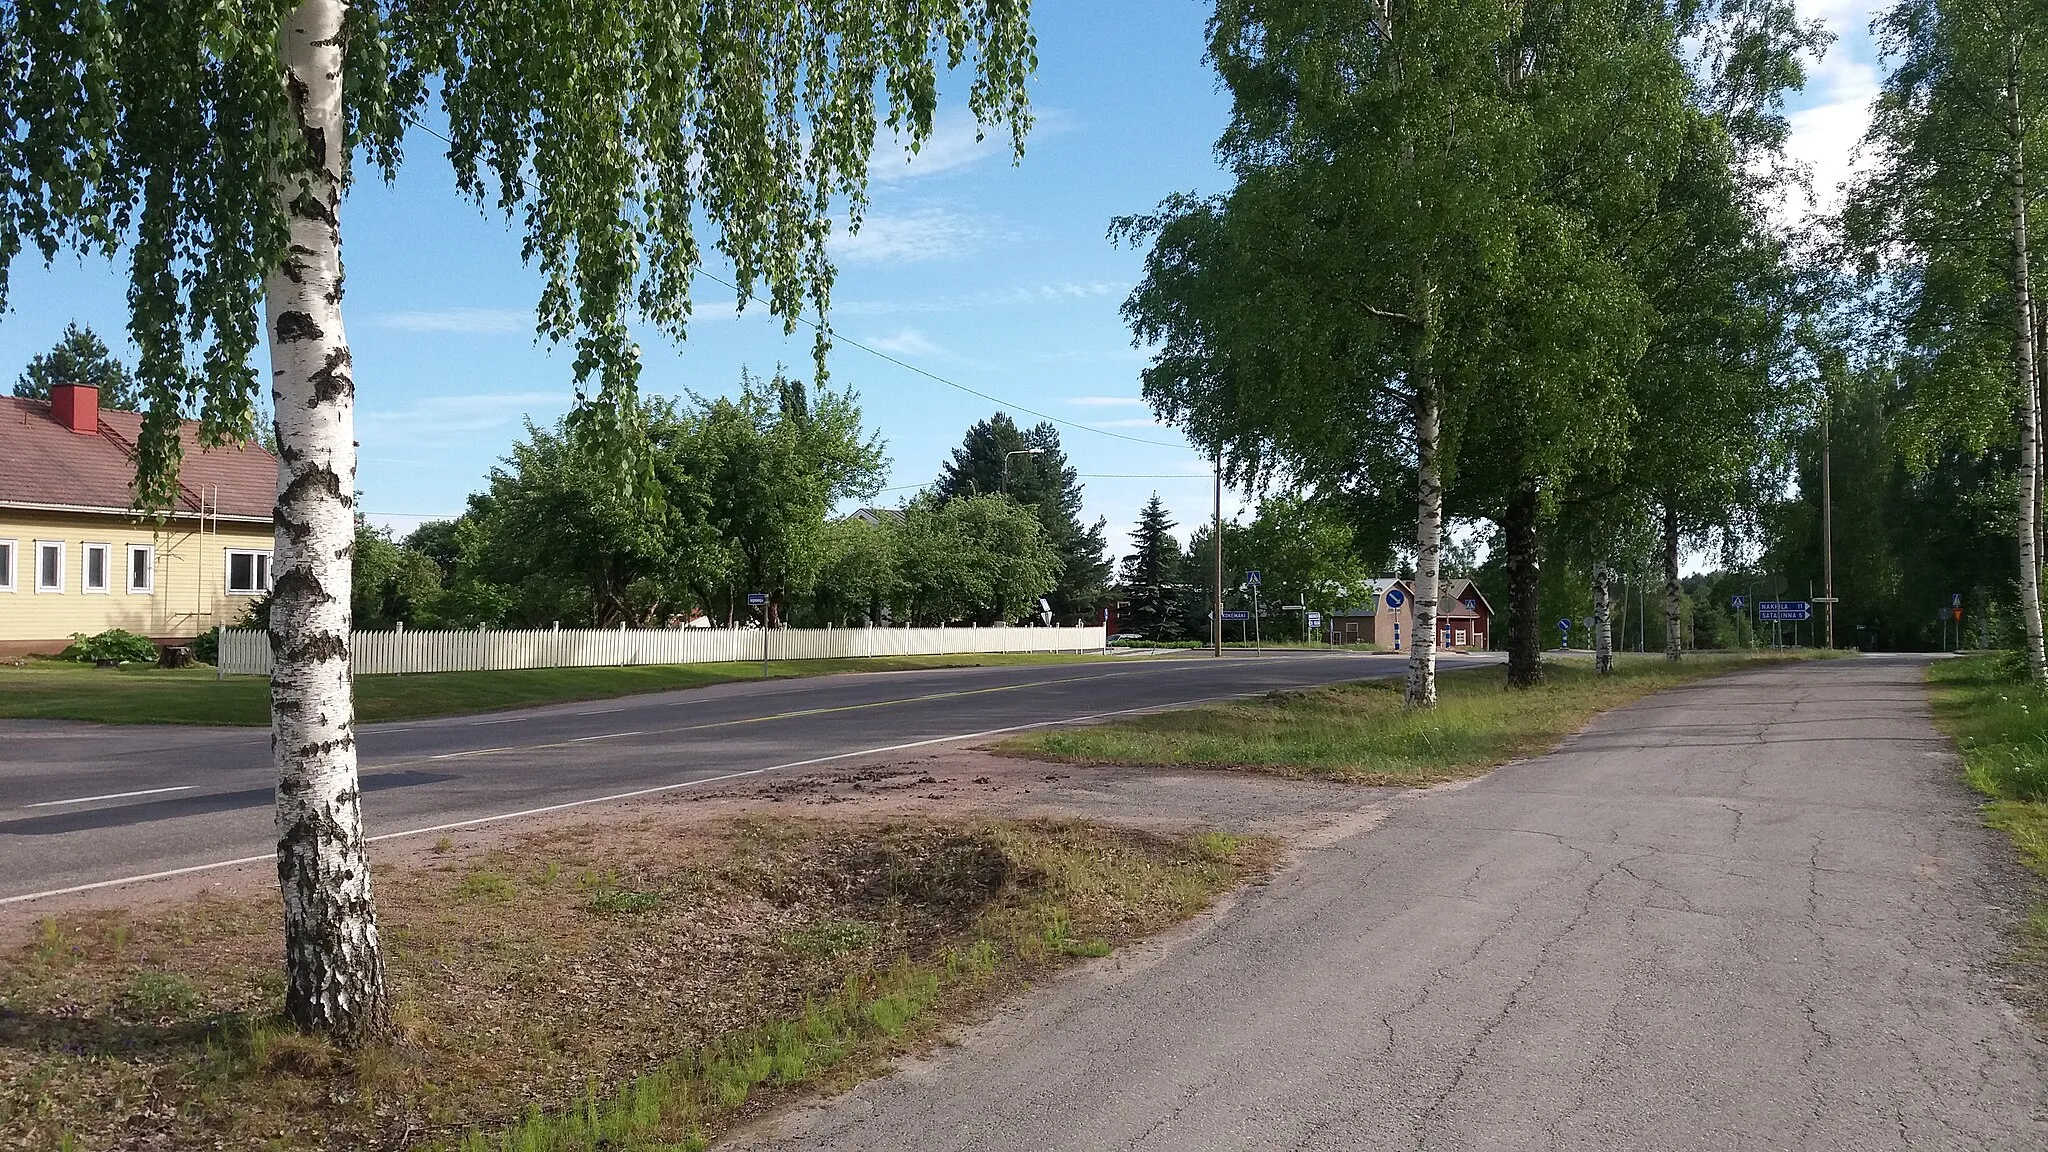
[
  {"x": 1217, "y": 634},
  {"x": 1827, "y": 523}
]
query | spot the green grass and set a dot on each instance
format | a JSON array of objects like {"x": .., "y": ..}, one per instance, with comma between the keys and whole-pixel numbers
[
  {"x": 1362, "y": 732},
  {"x": 62, "y": 690},
  {"x": 2000, "y": 725}
]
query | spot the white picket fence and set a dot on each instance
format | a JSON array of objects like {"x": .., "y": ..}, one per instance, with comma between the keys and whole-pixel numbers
[{"x": 246, "y": 652}]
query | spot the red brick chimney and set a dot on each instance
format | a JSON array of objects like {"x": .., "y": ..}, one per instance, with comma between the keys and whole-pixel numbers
[{"x": 77, "y": 407}]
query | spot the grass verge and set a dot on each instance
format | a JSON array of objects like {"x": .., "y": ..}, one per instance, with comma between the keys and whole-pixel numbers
[
  {"x": 599, "y": 987},
  {"x": 63, "y": 690},
  {"x": 2000, "y": 725},
  {"x": 1362, "y": 733}
]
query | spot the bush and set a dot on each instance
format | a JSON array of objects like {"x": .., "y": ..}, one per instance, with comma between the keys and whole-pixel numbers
[
  {"x": 206, "y": 646},
  {"x": 113, "y": 644}
]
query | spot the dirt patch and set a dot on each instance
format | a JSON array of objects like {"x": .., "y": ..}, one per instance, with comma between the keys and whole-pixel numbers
[{"x": 709, "y": 956}]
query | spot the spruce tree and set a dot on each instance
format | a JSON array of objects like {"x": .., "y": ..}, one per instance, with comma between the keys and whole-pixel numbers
[
  {"x": 80, "y": 357},
  {"x": 1152, "y": 577},
  {"x": 1039, "y": 477}
]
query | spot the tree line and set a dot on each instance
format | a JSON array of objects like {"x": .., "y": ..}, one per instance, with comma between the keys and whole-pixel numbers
[{"x": 745, "y": 495}]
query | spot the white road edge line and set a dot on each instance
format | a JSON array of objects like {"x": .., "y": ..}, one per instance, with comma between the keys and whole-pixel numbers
[
  {"x": 112, "y": 796},
  {"x": 606, "y": 736},
  {"x": 636, "y": 793}
]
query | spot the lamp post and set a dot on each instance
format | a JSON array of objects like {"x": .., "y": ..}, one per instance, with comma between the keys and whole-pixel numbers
[{"x": 1004, "y": 484}]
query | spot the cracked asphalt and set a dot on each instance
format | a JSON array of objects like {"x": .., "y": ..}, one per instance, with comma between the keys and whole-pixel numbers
[{"x": 1754, "y": 913}]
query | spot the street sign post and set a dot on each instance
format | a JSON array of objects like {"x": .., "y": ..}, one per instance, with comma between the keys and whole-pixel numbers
[
  {"x": 1564, "y": 634},
  {"x": 1783, "y": 611},
  {"x": 760, "y": 600}
]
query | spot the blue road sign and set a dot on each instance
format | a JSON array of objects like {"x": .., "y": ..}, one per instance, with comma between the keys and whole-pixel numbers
[
  {"x": 1395, "y": 598},
  {"x": 1233, "y": 616},
  {"x": 1955, "y": 600},
  {"x": 1252, "y": 577},
  {"x": 1564, "y": 625},
  {"x": 1783, "y": 611},
  {"x": 756, "y": 599},
  {"x": 1737, "y": 602},
  {"x": 1315, "y": 619}
]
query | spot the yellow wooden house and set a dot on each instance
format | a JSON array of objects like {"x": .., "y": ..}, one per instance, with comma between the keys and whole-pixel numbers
[{"x": 75, "y": 554}]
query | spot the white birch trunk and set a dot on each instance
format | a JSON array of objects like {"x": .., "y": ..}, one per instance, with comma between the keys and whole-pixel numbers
[
  {"x": 1429, "y": 534},
  {"x": 1674, "y": 639},
  {"x": 1603, "y": 620},
  {"x": 2030, "y": 396},
  {"x": 335, "y": 982}
]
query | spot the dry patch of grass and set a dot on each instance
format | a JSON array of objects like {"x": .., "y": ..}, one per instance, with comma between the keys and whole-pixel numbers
[
  {"x": 594, "y": 988},
  {"x": 1362, "y": 733}
]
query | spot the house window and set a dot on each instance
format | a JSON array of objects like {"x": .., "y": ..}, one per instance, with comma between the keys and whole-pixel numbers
[
  {"x": 141, "y": 568},
  {"x": 98, "y": 558},
  {"x": 6, "y": 565},
  {"x": 49, "y": 565},
  {"x": 248, "y": 572}
]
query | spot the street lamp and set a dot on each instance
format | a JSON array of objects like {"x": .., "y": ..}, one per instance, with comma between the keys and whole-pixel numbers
[{"x": 1004, "y": 484}]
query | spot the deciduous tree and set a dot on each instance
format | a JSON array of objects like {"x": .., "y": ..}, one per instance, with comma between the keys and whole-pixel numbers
[{"x": 213, "y": 144}]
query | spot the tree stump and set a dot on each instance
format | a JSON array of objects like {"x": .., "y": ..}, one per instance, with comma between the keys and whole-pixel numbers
[{"x": 176, "y": 656}]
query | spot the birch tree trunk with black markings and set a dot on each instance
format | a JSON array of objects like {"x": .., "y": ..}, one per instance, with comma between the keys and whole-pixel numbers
[
  {"x": 1603, "y": 620},
  {"x": 335, "y": 980},
  {"x": 2029, "y": 389}
]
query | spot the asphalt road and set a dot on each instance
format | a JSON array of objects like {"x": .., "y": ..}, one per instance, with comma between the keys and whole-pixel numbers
[
  {"x": 1754, "y": 913},
  {"x": 83, "y": 805}
]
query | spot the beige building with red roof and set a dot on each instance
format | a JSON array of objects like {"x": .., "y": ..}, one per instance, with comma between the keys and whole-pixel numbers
[{"x": 75, "y": 554}]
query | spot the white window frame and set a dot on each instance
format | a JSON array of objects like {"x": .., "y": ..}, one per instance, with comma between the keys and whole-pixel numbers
[
  {"x": 106, "y": 552},
  {"x": 12, "y": 561},
  {"x": 148, "y": 585},
  {"x": 259, "y": 568},
  {"x": 56, "y": 589}
]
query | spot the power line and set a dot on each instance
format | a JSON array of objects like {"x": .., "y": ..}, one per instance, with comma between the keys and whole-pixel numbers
[{"x": 905, "y": 365}]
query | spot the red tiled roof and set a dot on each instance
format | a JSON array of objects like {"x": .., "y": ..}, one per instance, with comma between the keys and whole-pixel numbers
[{"x": 44, "y": 463}]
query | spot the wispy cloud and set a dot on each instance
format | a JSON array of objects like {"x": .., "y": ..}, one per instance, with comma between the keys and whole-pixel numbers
[
  {"x": 951, "y": 147},
  {"x": 433, "y": 419},
  {"x": 924, "y": 235},
  {"x": 465, "y": 321},
  {"x": 1065, "y": 292},
  {"x": 1106, "y": 401},
  {"x": 908, "y": 342}
]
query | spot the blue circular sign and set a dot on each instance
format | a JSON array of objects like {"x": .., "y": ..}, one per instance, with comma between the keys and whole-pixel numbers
[{"x": 1396, "y": 598}]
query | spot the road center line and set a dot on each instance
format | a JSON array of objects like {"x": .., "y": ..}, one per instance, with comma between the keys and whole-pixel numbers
[
  {"x": 639, "y": 792},
  {"x": 112, "y": 796},
  {"x": 606, "y": 736}
]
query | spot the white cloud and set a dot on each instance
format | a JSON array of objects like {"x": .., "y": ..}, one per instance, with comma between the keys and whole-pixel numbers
[
  {"x": 908, "y": 342},
  {"x": 1836, "y": 104},
  {"x": 434, "y": 419},
  {"x": 951, "y": 146},
  {"x": 1107, "y": 401},
  {"x": 466, "y": 321},
  {"x": 927, "y": 234},
  {"x": 1065, "y": 292}
]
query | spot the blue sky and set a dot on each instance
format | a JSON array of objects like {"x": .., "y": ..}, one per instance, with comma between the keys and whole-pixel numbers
[{"x": 994, "y": 276}]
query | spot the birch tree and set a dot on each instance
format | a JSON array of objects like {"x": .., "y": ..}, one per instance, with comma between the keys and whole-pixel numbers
[
  {"x": 212, "y": 144},
  {"x": 1944, "y": 231},
  {"x": 1316, "y": 324}
]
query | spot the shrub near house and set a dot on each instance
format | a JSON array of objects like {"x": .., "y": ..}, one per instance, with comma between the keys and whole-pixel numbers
[{"x": 77, "y": 556}]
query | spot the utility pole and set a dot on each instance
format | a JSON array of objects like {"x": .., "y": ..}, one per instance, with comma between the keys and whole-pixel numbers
[
  {"x": 1216, "y": 620},
  {"x": 1827, "y": 522}
]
